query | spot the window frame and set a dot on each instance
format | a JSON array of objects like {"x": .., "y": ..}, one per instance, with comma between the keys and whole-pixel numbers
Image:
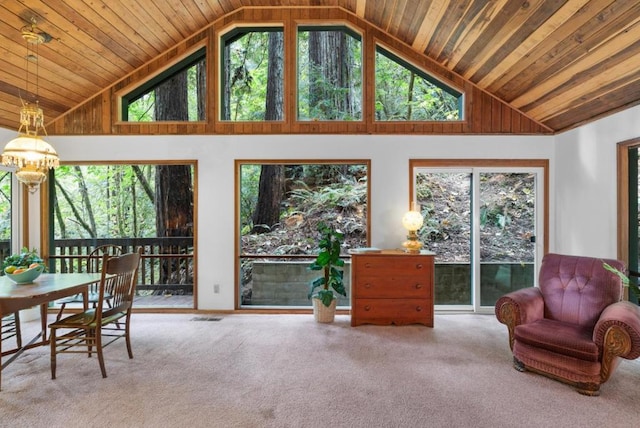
[
  {"x": 46, "y": 206},
  {"x": 238, "y": 255},
  {"x": 488, "y": 165}
]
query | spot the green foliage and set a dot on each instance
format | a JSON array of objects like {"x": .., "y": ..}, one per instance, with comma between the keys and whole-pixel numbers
[
  {"x": 633, "y": 286},
  {"x": 142, "y": 109},
  {"x": 338, "y": 195},
  {"x": 104, "y": 201},
  {"x": 5, "y": 205},
  {"x": 249, "y": 182},
  {"x": 494, "y": 215},
  {"x": 329, "y": 262},
  {"x": 23, "y": 259},
  {"x": 404, "y": 94},
  {"x": 248, "y": 66}
]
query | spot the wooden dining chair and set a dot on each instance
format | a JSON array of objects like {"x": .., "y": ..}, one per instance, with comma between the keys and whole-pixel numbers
[
  {"x": 92, "y": 330},
  {"x": 10, "y": 327},
  {"x": 93, "y": 264}
]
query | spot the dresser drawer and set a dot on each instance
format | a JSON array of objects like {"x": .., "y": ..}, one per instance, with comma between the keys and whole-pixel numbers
[
  {"x": 386, "y": 265},
  {"x": 394, "y": 311},
  {"x": 393, "y": 287}
]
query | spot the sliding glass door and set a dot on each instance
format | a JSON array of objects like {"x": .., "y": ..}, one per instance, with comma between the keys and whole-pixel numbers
[{"x": 482, "y": 224}]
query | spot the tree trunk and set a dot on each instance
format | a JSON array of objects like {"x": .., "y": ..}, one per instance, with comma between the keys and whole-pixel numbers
[
  {"x": 272, "y": 180},
  {"x": 275, "y": 96},
  {"x": 270, "y": 194},
  {"x": 171, "y": 99},
  {"x": 201, "y": 73},
  {"x": 226, "y": 105},
  {"x": 174, "y": 192},
  {"x": 174, "y": 200},
  {"x": 329, "y": 87}
]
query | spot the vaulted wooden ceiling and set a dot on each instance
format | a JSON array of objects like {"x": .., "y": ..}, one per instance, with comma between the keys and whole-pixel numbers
[{"x": 561, "y": 62}]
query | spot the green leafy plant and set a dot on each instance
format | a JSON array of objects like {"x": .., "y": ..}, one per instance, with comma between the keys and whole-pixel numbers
[
  {"x": 328, "y": 261},
  {"x": 625, "y": 279},
  {"x": 23, "y": 259}
]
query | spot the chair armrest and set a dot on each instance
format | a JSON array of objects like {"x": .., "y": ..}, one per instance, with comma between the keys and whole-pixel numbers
[
  {"x": 618, "y": 330},
  {"x": 519, "y": 307}
]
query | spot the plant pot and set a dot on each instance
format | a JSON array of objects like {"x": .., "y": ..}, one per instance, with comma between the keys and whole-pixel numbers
[{"x": 322, "y": 313}]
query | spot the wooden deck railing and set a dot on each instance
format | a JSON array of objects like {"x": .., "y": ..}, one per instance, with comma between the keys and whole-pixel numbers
[{"x": 166, "y": 266}]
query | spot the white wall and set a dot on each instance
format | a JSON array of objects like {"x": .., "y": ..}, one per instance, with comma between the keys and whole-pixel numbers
[
  {"x": 389, "y": 156},
  {"x": 585, "y": 185},
  {"x": 582, "y": 180}
]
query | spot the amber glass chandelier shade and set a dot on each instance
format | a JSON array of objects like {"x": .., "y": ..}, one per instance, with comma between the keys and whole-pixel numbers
[{"x": 28, "y": 152}]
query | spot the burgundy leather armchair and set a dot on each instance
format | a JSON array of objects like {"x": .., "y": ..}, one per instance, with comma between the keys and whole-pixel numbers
[{"x": 573, "y": 327}]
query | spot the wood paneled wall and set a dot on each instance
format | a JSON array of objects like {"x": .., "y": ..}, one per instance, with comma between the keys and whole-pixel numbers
[{"x": 484, "y": 114}]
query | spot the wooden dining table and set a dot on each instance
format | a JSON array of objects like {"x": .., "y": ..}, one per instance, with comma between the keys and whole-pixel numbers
[{"x": 44, "y": 289}]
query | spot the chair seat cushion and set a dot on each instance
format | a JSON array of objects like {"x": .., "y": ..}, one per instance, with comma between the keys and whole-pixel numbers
[{"x": 559, "y": 337}]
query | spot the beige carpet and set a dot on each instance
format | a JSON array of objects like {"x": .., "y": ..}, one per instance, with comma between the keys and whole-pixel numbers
[{"x": 288, "y": 371}]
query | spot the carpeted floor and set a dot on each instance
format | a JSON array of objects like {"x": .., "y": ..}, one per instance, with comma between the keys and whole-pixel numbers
[{"x": 289, "y": 371}]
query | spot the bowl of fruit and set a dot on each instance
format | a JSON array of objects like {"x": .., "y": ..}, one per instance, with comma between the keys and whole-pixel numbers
[
  {"x": 24, "y": 275},
  {"x": 23, "y": 268}
]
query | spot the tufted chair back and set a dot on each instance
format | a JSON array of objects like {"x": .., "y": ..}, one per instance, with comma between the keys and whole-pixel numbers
[{"x": 577, "y": 289}]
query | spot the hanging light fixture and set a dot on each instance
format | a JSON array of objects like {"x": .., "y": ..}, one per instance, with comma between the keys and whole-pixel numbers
[{"x": 29, "y": 153}]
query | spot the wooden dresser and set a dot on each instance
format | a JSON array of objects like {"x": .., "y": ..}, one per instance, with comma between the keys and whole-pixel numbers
[{"x": 392, "y": 287}]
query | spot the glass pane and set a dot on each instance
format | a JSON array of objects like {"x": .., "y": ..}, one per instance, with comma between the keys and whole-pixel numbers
[
  {"x": 507, "y": 234},
  {"x": 445, "y": 199},
  {"x": 253, "y": 76},
  {"x": 404, "y": 93},
  {"x": 5, "y": 214},
  {"x": 280, "y": 207},
  {"x": 329, "y": 75}
]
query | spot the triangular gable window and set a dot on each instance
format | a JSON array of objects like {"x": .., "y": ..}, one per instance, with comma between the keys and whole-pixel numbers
[
  {"x": 176, "y": 94},
  {"x": 406, "y": 93}
]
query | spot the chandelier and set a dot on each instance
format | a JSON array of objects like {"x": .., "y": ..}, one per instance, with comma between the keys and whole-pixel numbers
[{"x": 28, "y": 152}]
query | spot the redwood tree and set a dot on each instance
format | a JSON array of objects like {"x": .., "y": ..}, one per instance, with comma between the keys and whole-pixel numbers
[
  {"x": 174, "y": 190},
  {"x": 272, "y": 180}
]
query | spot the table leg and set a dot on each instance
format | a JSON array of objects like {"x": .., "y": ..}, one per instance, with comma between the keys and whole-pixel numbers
[
  {"x": 38, "y": 340},
  {"x": 43, "y": 321}
]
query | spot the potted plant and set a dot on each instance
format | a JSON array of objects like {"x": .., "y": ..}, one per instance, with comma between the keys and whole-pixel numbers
[
  {"x": 329, "y": 262},
  {"x": 628, "y": 284}
]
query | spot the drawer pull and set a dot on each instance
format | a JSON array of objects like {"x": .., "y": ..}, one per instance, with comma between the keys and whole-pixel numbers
[
  {"x": 367, "y": 308},
  {"x": 367, "y": 265},
  {"x": 419, "y": 266},
  {"x": 418, "y": 286},
  {"x": 418, "y": 308},
  {"x": 367, "y": 285}
]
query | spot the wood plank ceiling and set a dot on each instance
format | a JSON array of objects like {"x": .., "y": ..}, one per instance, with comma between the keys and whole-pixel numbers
[{"x": 561, "y": 62}]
